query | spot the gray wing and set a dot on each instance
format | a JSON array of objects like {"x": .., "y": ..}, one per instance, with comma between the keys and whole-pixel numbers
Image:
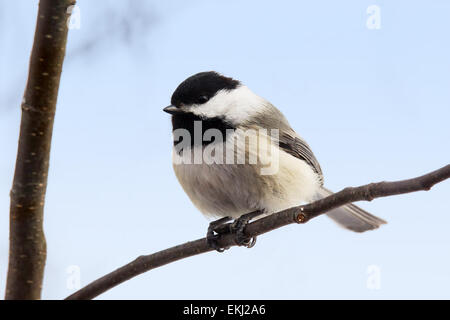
[
  {"x": 289, "y": 141},
  {"x": 349, "y": 216}
]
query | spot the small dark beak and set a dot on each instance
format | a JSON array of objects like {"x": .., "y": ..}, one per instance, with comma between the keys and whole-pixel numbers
[{"x": 173, "y": 110}]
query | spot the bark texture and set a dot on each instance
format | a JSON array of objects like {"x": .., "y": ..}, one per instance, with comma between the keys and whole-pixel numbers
[{"x": 27, "y": 249}]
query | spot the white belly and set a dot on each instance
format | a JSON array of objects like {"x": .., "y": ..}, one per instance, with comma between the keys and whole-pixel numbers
[{"x": 220, "y": 190}]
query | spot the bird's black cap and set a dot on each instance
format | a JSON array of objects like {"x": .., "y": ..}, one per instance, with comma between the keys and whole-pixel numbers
[{"x": 201, "y": 87}]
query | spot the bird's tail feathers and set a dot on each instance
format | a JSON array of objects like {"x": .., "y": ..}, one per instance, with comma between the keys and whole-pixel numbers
[{"x": 352, "y": 217}]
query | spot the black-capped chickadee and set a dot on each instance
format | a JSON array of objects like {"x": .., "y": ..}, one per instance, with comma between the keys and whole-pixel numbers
[{"x": 236, "y": 156}]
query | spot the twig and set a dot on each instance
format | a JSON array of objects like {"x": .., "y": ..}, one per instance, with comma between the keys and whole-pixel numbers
[
  {"x": 299, "y": 214},
  {"x": 27, "y": 249}
]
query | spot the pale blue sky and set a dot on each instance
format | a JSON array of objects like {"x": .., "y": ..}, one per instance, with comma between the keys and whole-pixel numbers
[{"x": 373, "y": 104}]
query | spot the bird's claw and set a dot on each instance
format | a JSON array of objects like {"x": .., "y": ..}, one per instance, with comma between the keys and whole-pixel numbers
[
  {"x": 216, "y": 228},
  {"x": 212, "y": 235},
  {"x": 238, "y": 227}
]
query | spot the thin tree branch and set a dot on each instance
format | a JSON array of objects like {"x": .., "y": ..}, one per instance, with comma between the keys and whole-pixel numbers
[
  {"x": 299, "y": 214},
  {"x": 27, "y": 249}
]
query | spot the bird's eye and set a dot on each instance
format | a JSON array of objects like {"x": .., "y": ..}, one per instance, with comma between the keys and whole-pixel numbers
[{"x": 202, "y": 99}]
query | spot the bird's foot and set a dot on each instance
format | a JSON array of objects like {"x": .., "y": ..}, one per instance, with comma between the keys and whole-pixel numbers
[
  {"x": 213, "y": 235},
  {"x": 238, "y": 227},
  {"x": 218, "y": 227}
]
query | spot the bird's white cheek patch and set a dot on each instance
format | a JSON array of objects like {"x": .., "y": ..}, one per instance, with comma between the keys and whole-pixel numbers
[{"x": 235, "y": 105}]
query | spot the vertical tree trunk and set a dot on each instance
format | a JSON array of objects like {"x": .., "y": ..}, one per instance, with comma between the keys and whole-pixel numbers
[{"x": 27, "y": 250}]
